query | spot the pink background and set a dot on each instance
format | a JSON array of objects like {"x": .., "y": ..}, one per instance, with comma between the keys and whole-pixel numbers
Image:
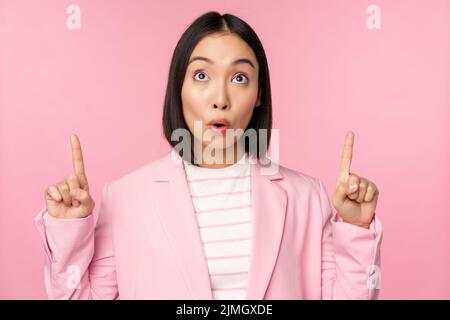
[{"x": 329, "y": 74}]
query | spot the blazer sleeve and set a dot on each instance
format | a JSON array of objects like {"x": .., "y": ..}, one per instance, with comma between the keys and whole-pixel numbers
[
  {"x": 79, "y": 257},
  {"x": 350, "y": 256}
]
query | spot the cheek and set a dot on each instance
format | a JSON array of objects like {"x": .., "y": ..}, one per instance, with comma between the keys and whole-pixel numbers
[
  {"x": 193, "y": 101},
  {"x": 190, "y": 103},
  {"x": 245, "y": 105}
]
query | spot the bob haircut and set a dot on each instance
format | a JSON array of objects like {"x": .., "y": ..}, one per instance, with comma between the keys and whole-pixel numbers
[{"x": 206, "y": 24}]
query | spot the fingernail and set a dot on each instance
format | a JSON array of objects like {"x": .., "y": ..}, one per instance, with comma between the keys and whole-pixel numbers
[{"x": 353, "y": 186}]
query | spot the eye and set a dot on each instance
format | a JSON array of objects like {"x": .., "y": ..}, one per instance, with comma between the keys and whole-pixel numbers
[
  {"x": 241, "y": 78},
  {"x": 200, "y": 76}
]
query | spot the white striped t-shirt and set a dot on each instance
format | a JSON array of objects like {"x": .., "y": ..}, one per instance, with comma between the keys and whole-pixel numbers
[{"x": 222, "y": 204}]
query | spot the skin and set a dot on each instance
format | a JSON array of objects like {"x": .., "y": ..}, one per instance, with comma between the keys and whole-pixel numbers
[
  {"x": 228, "y": 91},
  {"x": 70, "y": 197},
  {"x": 356, "y": 206},
  {"x": 219, "y": 89},
  {"x": 220, "y": 95}
]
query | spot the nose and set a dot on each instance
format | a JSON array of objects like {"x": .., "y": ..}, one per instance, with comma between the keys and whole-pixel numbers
[
  {"x": 223, "y": 107},
  {"x": 221, "y": 98}
]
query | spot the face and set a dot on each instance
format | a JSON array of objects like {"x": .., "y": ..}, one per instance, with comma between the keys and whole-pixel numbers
[{"x": 221, "y": 83}]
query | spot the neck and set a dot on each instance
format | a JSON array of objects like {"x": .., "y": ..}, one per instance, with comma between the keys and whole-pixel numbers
[{"x": 236, "y": 150}]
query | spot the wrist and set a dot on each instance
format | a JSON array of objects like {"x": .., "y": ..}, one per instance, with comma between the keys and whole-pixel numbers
[
  {"x": 358, "y": 224},
  {"x": 355, "y": 223}
]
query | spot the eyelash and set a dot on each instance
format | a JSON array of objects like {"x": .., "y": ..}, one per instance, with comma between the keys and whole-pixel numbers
[{"x": 239, "y": 74}]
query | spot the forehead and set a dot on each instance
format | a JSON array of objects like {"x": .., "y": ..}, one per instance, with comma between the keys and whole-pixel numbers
[{"x": 224, "y": 48}]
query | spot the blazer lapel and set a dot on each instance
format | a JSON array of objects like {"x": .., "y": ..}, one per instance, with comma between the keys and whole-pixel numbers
[
  {"x": 176, "y": 212},
  {"x": 269, "y": 210}
]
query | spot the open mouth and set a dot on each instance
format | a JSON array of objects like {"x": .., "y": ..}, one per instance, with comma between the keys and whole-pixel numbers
[
  {"x": 219, "y": 126},
  {"x": 219, "y": 123}
]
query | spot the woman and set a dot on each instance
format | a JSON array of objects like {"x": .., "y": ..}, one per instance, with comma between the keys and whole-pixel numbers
[{"x": 186, "y": 227}]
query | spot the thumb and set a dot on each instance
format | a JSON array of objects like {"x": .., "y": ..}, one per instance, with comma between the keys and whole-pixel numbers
[
  {"x": 339, "y": 195},
  {"x": 79, "y": 196},
  {"x": 343, "y": 190},
  {"x": 350, "y": 187}
]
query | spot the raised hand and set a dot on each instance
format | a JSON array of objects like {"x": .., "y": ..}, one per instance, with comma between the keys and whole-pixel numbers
[
  {"x": 70, "y": 198},
  {"x": 355, "y": 198}
]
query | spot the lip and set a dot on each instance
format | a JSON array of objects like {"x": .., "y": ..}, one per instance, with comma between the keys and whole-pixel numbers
[
  {"x": 219, "y": 130},
  {"x": 221, "y": 121}
]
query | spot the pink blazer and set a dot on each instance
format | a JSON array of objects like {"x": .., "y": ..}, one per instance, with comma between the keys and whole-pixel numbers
[{"x": 143, "y": 242}]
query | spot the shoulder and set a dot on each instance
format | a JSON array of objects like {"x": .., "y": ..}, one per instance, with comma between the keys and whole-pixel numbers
[
  {"x": 139, "y": 175},
  {"x": 298, "y": 180},
  {"x": 300, "y": 186},
  {"x": 304, "y": 189}
]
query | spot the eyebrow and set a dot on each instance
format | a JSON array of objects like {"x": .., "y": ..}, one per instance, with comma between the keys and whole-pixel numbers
[{"x": 242, "y": 60}]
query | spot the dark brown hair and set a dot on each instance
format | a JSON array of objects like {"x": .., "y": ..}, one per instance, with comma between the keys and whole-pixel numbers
[{"x": 204, "y": 25}]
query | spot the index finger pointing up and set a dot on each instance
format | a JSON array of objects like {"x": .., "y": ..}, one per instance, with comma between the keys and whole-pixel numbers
[
  {"x": 77, "y": 159},
  {"x": 347, "y": 154}
]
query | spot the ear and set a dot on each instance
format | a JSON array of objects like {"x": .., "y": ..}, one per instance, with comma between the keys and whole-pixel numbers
[{"x": 258, "y": 100}]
